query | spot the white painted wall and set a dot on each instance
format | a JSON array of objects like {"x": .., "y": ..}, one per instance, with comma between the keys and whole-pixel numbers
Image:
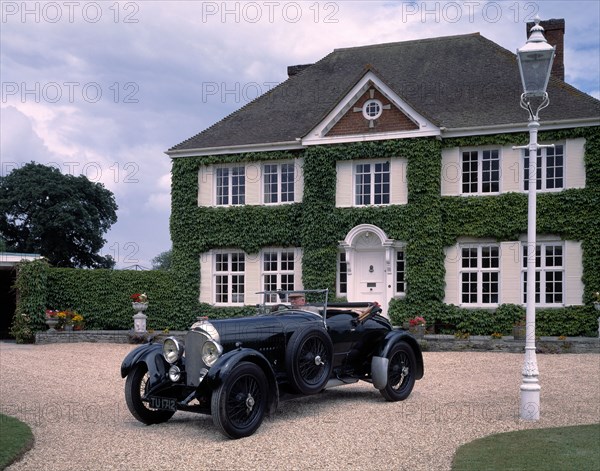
[
  {"x": 573, "y": 262},
  {"x": 511, "y": 165},
  {"x": 574, "y": 163},
  {"x": 254, "y": 183},
  {"x": 451, "y": 172},
  {"x": 253, "y": 276},
  {"x": 510, "y": 272},
  {"x": 452, "y": 266},
  {"x": 344, "y": 194}
]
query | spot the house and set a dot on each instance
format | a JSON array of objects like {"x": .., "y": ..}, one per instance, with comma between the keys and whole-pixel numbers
[{"x": 388, "y": 172}]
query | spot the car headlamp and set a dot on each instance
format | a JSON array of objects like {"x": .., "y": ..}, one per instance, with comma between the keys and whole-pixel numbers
[
  {"x": 172, "y": 350},
  {"x": 211, "y": 351},
  {"x": 174, "y": 373}
]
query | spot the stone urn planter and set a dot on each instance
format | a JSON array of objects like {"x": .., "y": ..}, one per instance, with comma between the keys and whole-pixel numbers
[
  {"x": 51, "y": 322},
  {"x": 139, "y": 318},
  {"x": 139, "y": 307}
]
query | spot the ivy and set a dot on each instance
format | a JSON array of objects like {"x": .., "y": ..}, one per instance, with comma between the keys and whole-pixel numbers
[
  {"x": 427, "y": 224},
  {"x": 101, "y": 296},
  {"x": 30, "y": 285}
]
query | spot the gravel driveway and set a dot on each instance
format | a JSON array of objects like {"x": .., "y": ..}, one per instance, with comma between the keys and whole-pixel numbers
[{"x": 72, "y": 396}]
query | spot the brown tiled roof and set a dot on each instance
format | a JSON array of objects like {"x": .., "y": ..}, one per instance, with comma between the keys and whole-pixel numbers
[{"x": 464, "y": 81}]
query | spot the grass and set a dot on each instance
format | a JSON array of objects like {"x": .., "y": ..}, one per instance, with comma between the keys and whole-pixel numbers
[
  {"x": 551, "y": 449},
  {"x": 15, "y": 439}
]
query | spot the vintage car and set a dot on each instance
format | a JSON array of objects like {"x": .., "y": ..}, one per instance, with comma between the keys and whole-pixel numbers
[{"x": 237, "y": 370}]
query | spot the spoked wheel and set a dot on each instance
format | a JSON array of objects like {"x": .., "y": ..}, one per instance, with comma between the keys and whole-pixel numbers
[
  {"x": 239, "y": 404},
  {"x": 309, "y": 359},
  {"x": 135, "y": 388},
  {"x": 401, "y": 373}
]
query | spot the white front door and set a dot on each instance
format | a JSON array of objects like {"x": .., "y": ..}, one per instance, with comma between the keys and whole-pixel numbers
[
  {"x": 369, "y": 277},
  {"x": 369, "y": 265}
]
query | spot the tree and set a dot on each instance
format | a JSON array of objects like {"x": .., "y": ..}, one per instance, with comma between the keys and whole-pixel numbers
[
  {"x": 162, "y": 261},
  {"x": 61, "y": 217}
]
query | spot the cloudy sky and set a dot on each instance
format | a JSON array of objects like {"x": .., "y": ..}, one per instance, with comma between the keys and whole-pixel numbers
[{"x": 104, "y": 88}]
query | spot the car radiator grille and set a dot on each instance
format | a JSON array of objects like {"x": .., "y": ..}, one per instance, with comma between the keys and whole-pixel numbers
[{"x": 194, "y": 342}]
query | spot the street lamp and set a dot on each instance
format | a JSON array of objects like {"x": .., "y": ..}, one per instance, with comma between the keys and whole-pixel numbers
[{"x": 535, "y": 62}]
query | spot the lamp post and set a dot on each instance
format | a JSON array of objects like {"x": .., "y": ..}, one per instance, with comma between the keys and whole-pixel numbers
[{"x": 535, "y": 62}]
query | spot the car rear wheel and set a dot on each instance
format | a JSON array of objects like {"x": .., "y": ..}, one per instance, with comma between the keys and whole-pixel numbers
[
  {"x": 136, "y": 387},
  {"x": 309, "y": 359},
  {"x": 400, "y": 374},
  {"x": 239, "y": 404}
]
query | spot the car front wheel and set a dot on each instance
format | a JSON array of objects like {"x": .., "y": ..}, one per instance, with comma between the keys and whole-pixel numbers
[
  {"x": 239, "y": 404},
  {"x": 400, "y": 373},
  {"x": 135, "y": 388}
]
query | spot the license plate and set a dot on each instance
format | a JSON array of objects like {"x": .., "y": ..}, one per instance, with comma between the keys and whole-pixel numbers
[{"x": 162, "y": 403}]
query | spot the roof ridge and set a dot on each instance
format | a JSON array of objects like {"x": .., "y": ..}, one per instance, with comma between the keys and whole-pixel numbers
[{"x": 396, "y": 43}]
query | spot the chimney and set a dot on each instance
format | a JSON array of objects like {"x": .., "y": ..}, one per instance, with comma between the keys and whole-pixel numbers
[
  {"x": 554, "y": 31},
  {"x": 296, "y": 69}
]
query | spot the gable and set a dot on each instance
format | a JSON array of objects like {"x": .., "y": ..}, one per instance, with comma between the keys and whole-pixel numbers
[
  {"x": 370, "y": 111},
  {"x": 373, "y": 112}
]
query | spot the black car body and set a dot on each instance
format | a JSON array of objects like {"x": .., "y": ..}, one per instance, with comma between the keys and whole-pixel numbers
[{"x": 238, "y": 369}]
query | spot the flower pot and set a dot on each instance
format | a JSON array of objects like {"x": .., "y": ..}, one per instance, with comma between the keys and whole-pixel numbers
[
  {"x": 418, "y": 331},
  {"x": 68, "y": 328}
]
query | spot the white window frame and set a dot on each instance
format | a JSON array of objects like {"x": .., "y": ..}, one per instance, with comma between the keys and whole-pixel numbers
[
  {"x": 370, "y": 106},
  {"x": 542, "y": 170},
  {"x": 397, "y": 292},
  {"x": 372, "y": 183},
  {"x": 480, "y": 273},
  {"x": 342, "y": 274},
  {"x": 284, "y": 269},
  {"x": 230, "y": 186},
  {"x": 279, "y": 193},
  {"x": 479, "y": 171},
  {"x": 543, "y": 268},
  {"x": 230, "y": 273}
]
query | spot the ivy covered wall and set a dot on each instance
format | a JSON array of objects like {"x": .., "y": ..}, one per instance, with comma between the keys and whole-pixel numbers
[
  {"x": 428, "y": 223},
  {"x": 101, "y": 296}
]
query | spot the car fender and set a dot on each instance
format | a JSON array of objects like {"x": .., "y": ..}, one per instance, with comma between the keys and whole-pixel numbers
[
  {"x": 221, "y": 370},
  {"x": 151, "y": 355},
  {"x": 379, "y": 363}
]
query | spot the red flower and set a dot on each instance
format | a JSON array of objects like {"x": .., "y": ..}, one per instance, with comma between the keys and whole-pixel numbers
[
  {"x": 417, "y": 321},
  {"x": 139, "y": 298}
]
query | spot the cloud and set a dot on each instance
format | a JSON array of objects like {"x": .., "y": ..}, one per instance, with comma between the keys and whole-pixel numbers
[
  {"x": 20, "y": 143},
  {"x": 109, "y": 86}
]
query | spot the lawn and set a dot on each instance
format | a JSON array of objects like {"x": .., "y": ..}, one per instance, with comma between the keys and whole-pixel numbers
[
  {"x": 551, "y": 449},
  {"x": 15, "y": 439}
]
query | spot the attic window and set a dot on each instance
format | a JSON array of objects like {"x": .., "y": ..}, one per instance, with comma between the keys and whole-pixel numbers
[{"x": 372, "y": 109}]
